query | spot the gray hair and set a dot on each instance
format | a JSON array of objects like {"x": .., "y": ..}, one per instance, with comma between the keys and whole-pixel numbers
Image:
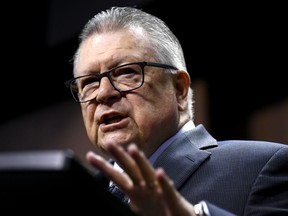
[{"x": 160, "y": 38}]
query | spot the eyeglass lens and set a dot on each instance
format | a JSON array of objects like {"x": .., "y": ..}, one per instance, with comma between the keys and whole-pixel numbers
[{"x": 123, "y": 78}]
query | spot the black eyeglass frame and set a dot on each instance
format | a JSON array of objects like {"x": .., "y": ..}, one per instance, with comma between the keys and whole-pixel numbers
[{"x": 107, "y": 74}]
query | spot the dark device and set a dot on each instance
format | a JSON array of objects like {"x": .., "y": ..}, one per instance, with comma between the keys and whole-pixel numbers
[{"x": 53, "y": 181}]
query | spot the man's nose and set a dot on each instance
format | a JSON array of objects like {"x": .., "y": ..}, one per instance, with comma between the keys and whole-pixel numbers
[{"x": 106, "y": 90}]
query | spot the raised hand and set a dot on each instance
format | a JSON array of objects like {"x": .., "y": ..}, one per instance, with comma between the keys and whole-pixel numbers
[{"x": 151, "y": 192}]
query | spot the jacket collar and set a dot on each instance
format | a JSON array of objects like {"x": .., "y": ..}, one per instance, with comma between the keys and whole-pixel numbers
[{"x": 186, "y": 154}]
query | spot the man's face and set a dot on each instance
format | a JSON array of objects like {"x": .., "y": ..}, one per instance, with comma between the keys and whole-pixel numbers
[{"x": 146, "y": 116}]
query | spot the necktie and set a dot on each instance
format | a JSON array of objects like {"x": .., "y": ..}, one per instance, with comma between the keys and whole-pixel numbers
[{"x": 119, "y": 194}]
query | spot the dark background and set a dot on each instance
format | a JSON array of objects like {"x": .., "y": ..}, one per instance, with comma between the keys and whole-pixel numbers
[{"x": 238, "y": 49}]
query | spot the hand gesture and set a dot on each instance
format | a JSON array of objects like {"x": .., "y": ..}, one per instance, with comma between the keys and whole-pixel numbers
[{"x": 150, "y": 190}]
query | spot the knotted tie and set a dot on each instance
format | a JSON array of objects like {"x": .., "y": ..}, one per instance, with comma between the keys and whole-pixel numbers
[{"x": 119, "y": 194}]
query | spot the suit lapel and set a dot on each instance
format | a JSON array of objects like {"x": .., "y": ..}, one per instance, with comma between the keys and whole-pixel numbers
[{"x": 186, "y": 154}]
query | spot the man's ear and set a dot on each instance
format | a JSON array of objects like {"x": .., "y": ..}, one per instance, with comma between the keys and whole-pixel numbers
[{"x": 182, "y": 87}]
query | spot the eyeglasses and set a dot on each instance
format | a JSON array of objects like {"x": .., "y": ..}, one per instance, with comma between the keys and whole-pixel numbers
[{"x": 123, "y": 78}]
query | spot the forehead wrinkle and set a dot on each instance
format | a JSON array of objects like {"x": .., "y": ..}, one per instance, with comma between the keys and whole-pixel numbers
[{"x": 106, "y": 57}]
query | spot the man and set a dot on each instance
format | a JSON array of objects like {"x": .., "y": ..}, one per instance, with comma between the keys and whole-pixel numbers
[{"x": 134, "y": 90}]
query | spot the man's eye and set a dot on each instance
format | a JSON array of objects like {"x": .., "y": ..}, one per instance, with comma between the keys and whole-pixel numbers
[
  {"x": 91, "y": 81},
  {"x": 124, "y": 71}
]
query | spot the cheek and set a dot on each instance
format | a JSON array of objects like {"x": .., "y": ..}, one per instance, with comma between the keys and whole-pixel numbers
[
  {"x": 88, "y": 111},
  {"x": 155, "y": 105}
]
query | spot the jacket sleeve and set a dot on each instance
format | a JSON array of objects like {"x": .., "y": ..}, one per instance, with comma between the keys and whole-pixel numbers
[
  {"x": 269, "y": 195},
  {"x": 213, "y": 210}
]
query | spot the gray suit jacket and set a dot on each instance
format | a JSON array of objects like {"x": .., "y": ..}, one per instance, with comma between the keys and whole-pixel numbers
[{"x": 233, "y": 177}]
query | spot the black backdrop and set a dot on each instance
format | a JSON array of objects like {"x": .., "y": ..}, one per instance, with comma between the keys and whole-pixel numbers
[{"x": 237, "y": 48}]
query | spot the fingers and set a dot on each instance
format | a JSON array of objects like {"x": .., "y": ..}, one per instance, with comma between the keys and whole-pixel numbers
[
  {"x": 146, "y": 168},
  {"x": 145, "y": 186},
  {"x": 127, "y": 163},
  {"x": 107, "y": 169},
  {"x": 161, "y": 187},
  {"x": 133, "y": 162},
  {"x": 167, "y": 186},
  {"x": 177, "y": 204}
]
